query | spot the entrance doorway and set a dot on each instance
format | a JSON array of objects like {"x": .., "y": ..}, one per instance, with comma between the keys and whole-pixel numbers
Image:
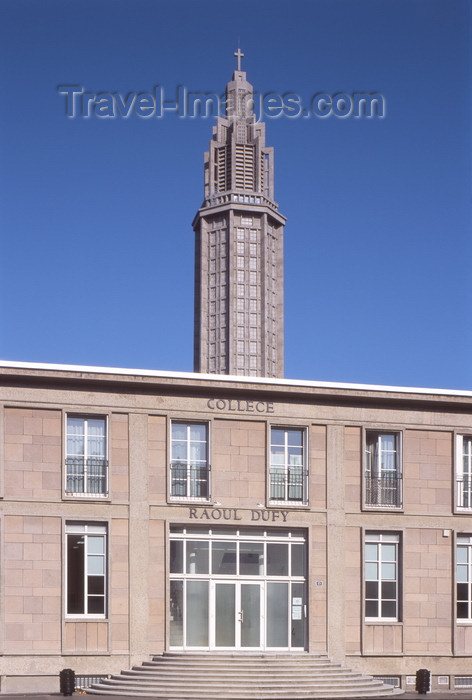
[
  {"x": 237, "y": 615},
  {"x": 237, "y": 589}
]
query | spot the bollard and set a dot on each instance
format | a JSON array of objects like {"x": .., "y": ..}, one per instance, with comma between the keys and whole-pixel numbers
[
  {"x": 67, "y": 681},
  {"x": 423, "y": 681}
]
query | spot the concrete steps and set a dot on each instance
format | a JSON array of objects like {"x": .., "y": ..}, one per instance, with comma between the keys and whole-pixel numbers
[{"x": 227, "y": 676}]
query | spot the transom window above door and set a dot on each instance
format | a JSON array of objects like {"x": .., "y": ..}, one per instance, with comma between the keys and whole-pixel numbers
[{"x": 228, "y": 555}]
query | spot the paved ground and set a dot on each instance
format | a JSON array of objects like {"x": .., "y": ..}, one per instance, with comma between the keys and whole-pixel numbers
[{"x": 441, "y": 695}]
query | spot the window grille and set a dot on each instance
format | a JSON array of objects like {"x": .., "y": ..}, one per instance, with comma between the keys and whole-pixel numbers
[
  {"x": 85, "y": 681},
  {"x": 463, "y": 682},
  {"x": 390, "y": 680}
]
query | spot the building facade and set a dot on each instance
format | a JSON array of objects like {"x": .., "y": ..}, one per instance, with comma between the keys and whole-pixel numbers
[
  {"x": 145, "y": 511},
  {"x": 239, "y": 247}
]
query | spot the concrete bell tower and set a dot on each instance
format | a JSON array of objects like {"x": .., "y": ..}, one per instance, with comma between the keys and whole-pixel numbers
[{"x": 239, "y": 317}]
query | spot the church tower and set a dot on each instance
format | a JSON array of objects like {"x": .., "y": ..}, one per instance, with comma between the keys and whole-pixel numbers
[{"x": 239, "y": 321}]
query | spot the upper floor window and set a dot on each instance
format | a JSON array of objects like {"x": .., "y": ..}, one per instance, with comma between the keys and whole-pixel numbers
[
  {"x": 288, "y": 473},
  {"x": 86, "y": 456},
  {"x": 381, "y": 576},
  {"x": 189, "y": 469},
  {"x": 383, "y": 485},
  {"x": 464, "y": 471},
  {"x": 86, "y": 569}
]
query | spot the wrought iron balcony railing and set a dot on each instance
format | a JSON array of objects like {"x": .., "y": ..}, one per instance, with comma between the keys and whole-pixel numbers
[
  {"x": 383, "y": 491},
  {"x": 87, "y": 476},
  {"x": 189, "y": 480},
  {"x": 287, "y": 486},
  {"x": 464, "y": 492}
]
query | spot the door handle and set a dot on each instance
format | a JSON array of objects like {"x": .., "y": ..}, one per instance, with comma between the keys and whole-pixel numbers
[{"x": 241, "y": 616}]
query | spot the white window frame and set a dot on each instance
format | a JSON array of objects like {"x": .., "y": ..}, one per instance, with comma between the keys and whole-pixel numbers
[
  {"x": 86, "y": 493},
  {"x": 464, "y": 472},
  {"x": 381, "y": 540},
  {"x": 188, "y": 462},
  {"x": 286, "y": 466},
  {"x": 463, "y": 576},
  {"x": 87, "y": 530},
  {"x": 382, "y": 486}
]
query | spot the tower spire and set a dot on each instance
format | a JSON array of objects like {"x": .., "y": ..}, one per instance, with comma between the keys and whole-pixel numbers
[{"x": 239, "y": 247}]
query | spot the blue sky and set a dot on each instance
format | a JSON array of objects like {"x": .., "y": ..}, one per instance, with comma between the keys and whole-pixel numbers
[{"x": 95, "y": 214}]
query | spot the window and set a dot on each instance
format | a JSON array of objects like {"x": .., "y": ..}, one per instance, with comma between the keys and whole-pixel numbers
[
  {"x": 287, "y": 465},
  {"x": 464, "y": 471},
  {"x": 86, "y": 555},
  {"x": 383, "y": 485},
  {"x": 189, "y": 461},
  {"x": 464, "y": 577},
  {"x": 86, "y": 456},
  {"x": 381, "y": 576}
]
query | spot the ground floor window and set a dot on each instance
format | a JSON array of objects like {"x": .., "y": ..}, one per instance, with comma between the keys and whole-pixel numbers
[
  {"x": 464, "y": 577},
  {"x": 86, "y": 569},
  {"x": 243, "y": 589},
  {"x": 382, "y": 576}
]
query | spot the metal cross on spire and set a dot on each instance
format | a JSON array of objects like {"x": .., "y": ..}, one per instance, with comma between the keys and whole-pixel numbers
[{"x": 239, "y": 54}]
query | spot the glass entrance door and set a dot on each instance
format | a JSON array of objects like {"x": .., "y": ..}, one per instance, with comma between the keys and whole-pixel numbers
[
  {"x": 237, "y": 617},
  {"x": 225, "y": 615},
  {"x": 237, "y": 590},
  {"x": 250, "y": 615}
]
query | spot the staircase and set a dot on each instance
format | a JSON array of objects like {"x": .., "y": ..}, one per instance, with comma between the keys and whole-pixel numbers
[{"x": 242, "y": 677}]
